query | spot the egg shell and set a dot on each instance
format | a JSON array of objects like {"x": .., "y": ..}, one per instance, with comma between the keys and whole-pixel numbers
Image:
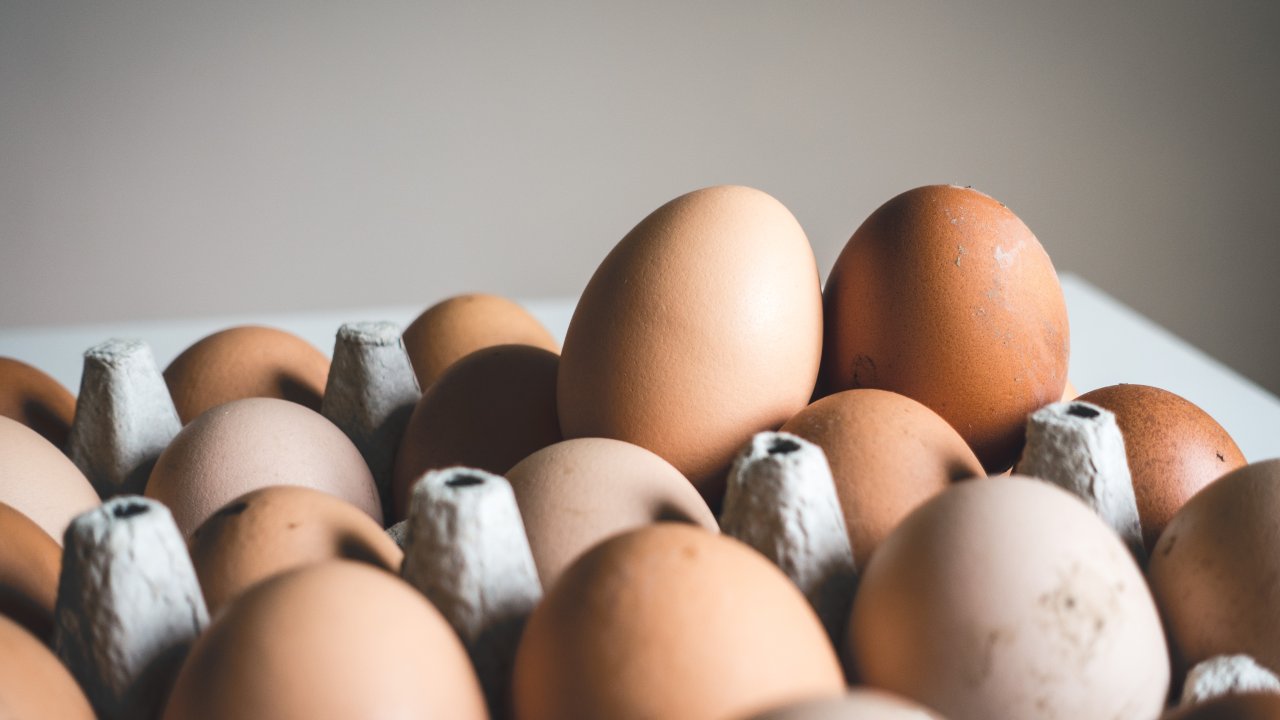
[
  {"x": 30, "y": 561},
  {"x": 888, "y": 454},
  {"x": 36, "y": 400},
  {"x": 244, "y": 362},
  {"x": 702, "y": 327},
  {"x": 860, "y": 704},
  {"x": 944, "y": 295},
  {"x": 249, "y": 444},
  {"x": 454, "y": 328},
  {"x": 37, "y": 480},
  {"x": 676, "y": 622},
  {"x": 1215, "y": 572},
  {"x": 1010, "y": 598},
  {"x": 34, "y": 685},
  {"x": 488, "y": 411},
  {"x": 333, "y": 640},
  {"x": 1174, "y": 449},
  {"x": 275, "y": 529},
  {"x": 577, "y": 493},
  {"x": 1244, "y": 706}
]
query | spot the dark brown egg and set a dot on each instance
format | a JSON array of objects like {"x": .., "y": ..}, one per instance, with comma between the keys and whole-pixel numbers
[
  {"x": 487, "y": 411},
  {"x": 36, "y": 400},
  {"x": 269, "y": 531},
  {"x": 29, "y": 564},
  {"x": 39, "y": 481},
  {"x": 945, "y": 296},
  {"x": 1174, "y": 449},
  {"x": 245, "y": 362},
  {"x": 34, "y": 684}
]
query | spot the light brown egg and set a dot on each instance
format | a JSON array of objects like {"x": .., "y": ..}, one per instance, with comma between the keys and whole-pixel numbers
[
  {"x": 244, "y": 362},
  {"x": 453, "y": 329},
  {"x": 1215, "y": 572},
  {"x": 255, "y": 443},
  {"x": 333, "y": 640},
  {"x": 1174, "y": 449},
  {"x": 275, "y": 529},
  {"x": 34, "y": 685},
  {"x": 1242, "y": 706},
  {"x": 701, "y": 328},
  {"x": 29, "y": 564},
  {"x": 671, "y": 621},
  {"x": 577, "y": 493},
  {"x": 1010, "y": 598},
  {"x": 861, "y": 703},
  {"x": 888, "y": 454},
  {"x": 488, "y": 411},
  {"x": 37, "y": 480},
  {"x": 945, "y": 296},
  {"x": 1069, "y": 392},
  {"x": 36, "y": 400}
]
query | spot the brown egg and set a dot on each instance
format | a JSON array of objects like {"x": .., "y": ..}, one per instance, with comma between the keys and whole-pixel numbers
[
  {"x": 888, "y": 454},
  {"x": 1010, "y": 598},
  {"x": 1243, "y": 706},
  {"x": 1174, "y": 449},
  {"x": 1215, "y": 572},
  {"x": 860, "y": 704},
  {"x": 36, "y": 400},
  {"x": 488, "y": 411},
  {"x": 671, "y": 621},
  {"x": 453, "y": 329},
  {"x": 333, "y": 640},
  {"x": 37, "y": 480},
  {"x": 34, "y": 685},
  {"x": 245, "y": 362},
  {"x": 945, "y": 296},
  {"x": 29, "y": 564},
  {"x": 274, "y": 529},
  {"x": 255, "y": 443},
  {"x": 575, "y": 494},
  {"x": 701, "y": 328}
]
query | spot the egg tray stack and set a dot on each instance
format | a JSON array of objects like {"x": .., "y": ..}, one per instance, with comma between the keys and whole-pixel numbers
[{"x": 1014, "y": 597}]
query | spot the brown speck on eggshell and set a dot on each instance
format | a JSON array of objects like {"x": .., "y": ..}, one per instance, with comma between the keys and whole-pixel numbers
[{"x": 36, "y": 400}]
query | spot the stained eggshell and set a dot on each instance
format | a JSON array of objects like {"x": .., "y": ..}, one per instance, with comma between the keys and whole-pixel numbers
[
  {"x": 888, "y": 454},
  {"x": 574, "y": 494},
  {"x": 454, "y": 328},
  {"x": 1010, "y": 598},
  {"x": 861, "y": 703},
  {"x": 944, "y": 295},
  {"x": 702, "y": 327},
  {"x": 29, "y": 564},
  {"x": 275, "y": 529},
  {"x": 676, "y": 622},
  {"x": 487, "y": 411},
  {"x": 1242, "y": 706},
  {"x": 333, "y": 640},
  {"x": 37, "y": 480},
  {"x": 36, "y": 400},
  {"x": 1215, "y": 572},
  {"x": 254, "y": 443},
  {"x": 34, "y": 684},
  {"x": 244, "y": 362},
  {"x": 1174, "y": 449}
]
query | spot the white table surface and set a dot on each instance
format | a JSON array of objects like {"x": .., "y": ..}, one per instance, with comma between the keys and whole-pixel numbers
[{"x": 1110, "y": 343}]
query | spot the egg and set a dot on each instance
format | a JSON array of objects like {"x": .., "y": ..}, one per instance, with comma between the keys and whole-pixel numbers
[
  {"x": 1215, "y": 572},
  {"x": 574, "y": 494},
  {"x": 255, "y": 443},
  {"x": 1010, "y": 598},
  {"x": 244, "y": 362},
  {"x": 36, "y": 400},
  {"x": 487, "y": 411},
  {"x": 700, "y": 328},
  {"x": 671, "y": 621},
  {"x": 945, "y": 296},
  {"x": 860, "y": 704},
  {"x": 1174, "y": 449},
  {"x": 34, "y": 684},
  {"x": 30, "y": 561},
  {"x": 454, "y": 328},
  {"x": 1243, "y": 706},
  {"x": 888, "y": 454},
  {"x": 333, "y": 640},
  {"x": 37, "y": 480},
  {"x": 274, "y": 529}
]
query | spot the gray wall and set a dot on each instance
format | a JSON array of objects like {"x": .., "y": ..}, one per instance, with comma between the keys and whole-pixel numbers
[{"x": 160, "y": 159}]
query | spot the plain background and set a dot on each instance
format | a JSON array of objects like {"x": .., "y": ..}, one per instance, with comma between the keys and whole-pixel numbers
[{"x": 176, "y": 158}]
